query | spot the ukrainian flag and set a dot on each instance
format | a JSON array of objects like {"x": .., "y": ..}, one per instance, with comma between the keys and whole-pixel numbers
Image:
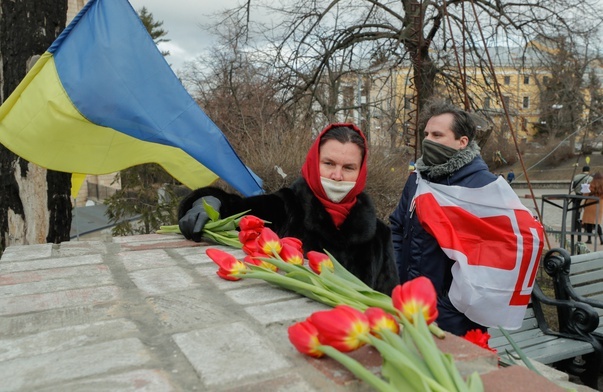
[{"x": 103, "y": 98}]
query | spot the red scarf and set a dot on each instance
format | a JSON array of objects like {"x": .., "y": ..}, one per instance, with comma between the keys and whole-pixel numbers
[{"x": 311, "y": 173}]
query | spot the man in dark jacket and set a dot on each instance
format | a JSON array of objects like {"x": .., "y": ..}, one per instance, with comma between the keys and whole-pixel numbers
[{"x": 450, "y": 157}]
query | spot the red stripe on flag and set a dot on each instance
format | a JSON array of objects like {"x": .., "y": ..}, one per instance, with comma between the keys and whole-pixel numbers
[{"x": 489, "y": 242}]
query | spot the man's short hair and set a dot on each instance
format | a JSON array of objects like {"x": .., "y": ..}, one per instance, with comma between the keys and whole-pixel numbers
[
  {"x": 586, "y": 169},
  {"x": 462, "y": 125}
]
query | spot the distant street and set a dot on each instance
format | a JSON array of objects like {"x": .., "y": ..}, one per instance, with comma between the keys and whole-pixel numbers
[{"x": 551, "y": 214}]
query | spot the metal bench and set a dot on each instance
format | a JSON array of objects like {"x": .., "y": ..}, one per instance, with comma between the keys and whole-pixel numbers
[
  {"x": 574, "y": 350},
  {"x": 577, "y": 277}
]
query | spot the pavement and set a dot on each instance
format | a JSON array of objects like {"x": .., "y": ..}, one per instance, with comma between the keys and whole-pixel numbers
[
  {"x": 138, "y": 312},
  {"x": 548, "y": 204}
]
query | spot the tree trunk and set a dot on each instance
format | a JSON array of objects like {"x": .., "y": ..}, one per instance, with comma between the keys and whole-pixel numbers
[{"x": 35, "y": 206}]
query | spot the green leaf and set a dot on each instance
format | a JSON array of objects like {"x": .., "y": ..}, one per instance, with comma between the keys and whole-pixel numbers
[
  {"x": 210, "y": 211},
  {"x": 423, "y": 339},
  {"x": 358, "y": 370},
  {"x": 169, "y": 229},
  {"x": 402, "y": 381},
  {"x": 409, "y": 350},
  {"x": 474, "y": 382},
  {"x": 284, "y": 266},
  {"x": 345, "y": 274},
  {"x": 461, "y": 386},
  {"x": 228, "y": 223},
  {"x": 518, "y": 350},
  {"x": 222, "y": 239},
  {"x": 307, "y": 289},
  {"x": 403, "y": 362}
]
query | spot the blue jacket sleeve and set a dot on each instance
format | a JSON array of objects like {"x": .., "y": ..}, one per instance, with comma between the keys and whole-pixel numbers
[{"x": 399, "y": 224}]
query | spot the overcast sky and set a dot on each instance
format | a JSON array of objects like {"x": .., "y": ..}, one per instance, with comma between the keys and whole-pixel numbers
[{"x": 181, "y": 19}]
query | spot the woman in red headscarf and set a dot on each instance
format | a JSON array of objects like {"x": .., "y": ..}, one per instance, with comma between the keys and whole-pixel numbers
[{"x": 325, "y": 208}]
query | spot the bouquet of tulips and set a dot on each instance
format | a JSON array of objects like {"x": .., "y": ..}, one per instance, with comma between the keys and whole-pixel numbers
[
  {"x": 360, "y": 315},
  {"x": 221, "y": 231}
]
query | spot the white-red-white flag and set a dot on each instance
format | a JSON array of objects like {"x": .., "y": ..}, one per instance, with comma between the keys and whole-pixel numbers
[{"x": 495, "y": 241}]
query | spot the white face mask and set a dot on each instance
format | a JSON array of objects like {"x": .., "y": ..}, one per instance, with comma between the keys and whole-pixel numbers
[{"x": 336, "y": 190}]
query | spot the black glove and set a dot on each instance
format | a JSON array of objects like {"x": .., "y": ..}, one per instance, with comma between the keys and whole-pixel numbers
[{"x": 191, "y": 224}]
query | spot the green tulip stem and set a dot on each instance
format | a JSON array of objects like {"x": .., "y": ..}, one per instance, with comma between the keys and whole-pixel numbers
[
  {"x": 403, "y": 361},
  {"x": 357, "y": 369},
  {"x": 293, "y": 284},
  {"x": 430, "y": 352}
]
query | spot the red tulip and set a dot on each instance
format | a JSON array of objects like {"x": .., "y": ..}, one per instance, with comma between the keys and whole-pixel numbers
[
  {"x": 248, "y": 235},
  {"x": 304, "y": 336},
  {"x": 417, "y": 295},
  {"x": 253, "y": 259},
  {"x": 342, "y": 327},
  {"x": 229, "y": 267},
  {"x": 250, "y": 247},
  {"x": 294, "y": 242},
  {"x": 317, "y": 261},
  {"x": 268, "y": 242},
  {"x": 477, "y": 336},
  {"x": 379, "y": 320},
  {"x": 250, "y": 222},
  {"x": 291, "y": 255},
  {"x": 249, "y": 259}
]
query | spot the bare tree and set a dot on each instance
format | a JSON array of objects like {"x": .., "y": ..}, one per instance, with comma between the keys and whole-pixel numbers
[
  {"x": 436, "y": 40},
  {"x": 34, "y": 203}
]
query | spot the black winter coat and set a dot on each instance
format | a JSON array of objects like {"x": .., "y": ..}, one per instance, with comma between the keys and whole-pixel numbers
[{"x": 362, "y": 244}]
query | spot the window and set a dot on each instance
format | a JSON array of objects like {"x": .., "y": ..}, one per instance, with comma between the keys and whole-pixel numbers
[
  {"x": 507, "y": 101},
  {"x": 507, "y": 80},
  {"x": 526, "y": 102},
  {"x": 407, "y": 103},
  {"x": 487, "y": 103},
  {"x": 526, "y": 80},
  {"x": 545, "y": 80}
]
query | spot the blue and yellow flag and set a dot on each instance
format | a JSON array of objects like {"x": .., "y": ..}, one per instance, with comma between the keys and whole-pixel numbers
[{"x": 102, "y": 98}]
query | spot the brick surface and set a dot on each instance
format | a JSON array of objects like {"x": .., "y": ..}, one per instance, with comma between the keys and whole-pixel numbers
[
  {"x": 62, "y": 299},
  {"x": 517, "y": 379},
  {"x": 468, "y": 356},
  {"x": 207, "y": 351},
  {"x": 64, "y": 338},
  {"x": 293, "y": 383},
  {"x": 191, "y": 309},
  {"x": 79, "y": 248},
  {"x": 26, "y": 252},
  {"x": 278, "y": 312},
  {"x": 162, "y": 280},
  {"x": 32, "y": 372},
  {"x": 259, "y": 294},
  {"x": 14, "y": 326},
  {"x": 149, "y": 312},
  {"x": 146, "y": 259},
  {"x": 56, "y": 279},
  {"x": 54, "y": 273},
  {"x": 51, "y": 263},
  {"x": 148, "y": 380}
]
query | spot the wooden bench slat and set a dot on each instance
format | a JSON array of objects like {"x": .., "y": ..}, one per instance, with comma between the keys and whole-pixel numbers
[
  {"x": 587, "y": 256},
  {"x": 590, "y": 289},
  {"x": 584, "y": 266},
  {"x": 578, "y": 279}
]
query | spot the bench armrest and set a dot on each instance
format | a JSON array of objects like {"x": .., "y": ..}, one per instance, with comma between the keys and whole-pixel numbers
[
  {"x": 582, "y": 319},
  {"x": 557, "y": 263}
]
